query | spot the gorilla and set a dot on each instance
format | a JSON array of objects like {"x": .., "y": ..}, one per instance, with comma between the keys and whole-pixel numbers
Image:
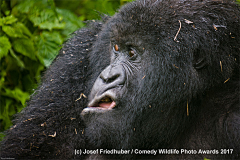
[{"x": 158, "y": 80}]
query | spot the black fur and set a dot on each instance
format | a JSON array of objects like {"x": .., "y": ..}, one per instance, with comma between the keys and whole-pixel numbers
[{"x": 183, "y": 94}]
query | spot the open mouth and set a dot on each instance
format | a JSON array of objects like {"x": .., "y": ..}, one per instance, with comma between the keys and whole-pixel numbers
[
  {"x": 104, "y": 103},
  {"x": 101, "y": 103}
]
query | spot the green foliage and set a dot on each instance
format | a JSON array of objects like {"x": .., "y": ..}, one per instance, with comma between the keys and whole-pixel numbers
[
  {"x": 90, "y": 9},
  {"x": 238, "y": 1},
  {"x": 30, "y": 38},
  {"x": 31, "y": 34}
]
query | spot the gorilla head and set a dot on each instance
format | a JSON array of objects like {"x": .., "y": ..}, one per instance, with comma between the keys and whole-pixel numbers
[{"x": 164, "y": 56}]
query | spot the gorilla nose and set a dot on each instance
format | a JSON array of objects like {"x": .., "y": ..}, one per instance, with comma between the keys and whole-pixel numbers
[{"x": 113, "y": 75}]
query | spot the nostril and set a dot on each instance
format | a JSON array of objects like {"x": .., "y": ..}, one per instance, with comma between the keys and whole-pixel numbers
[
  {"x": 109, "y": 78},
  {"x": 113, "y": 78}
]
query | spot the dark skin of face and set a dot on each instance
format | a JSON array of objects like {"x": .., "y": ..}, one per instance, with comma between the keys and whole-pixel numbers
[{"x": 112, "y": 78}]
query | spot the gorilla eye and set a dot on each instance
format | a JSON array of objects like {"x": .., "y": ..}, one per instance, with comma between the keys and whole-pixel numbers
[
  {"x": 116, "y": 47},
  {"x": 131, "y": 53}
]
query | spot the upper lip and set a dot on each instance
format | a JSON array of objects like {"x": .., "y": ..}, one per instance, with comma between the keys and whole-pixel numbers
[{"x": 108, "y": 96}]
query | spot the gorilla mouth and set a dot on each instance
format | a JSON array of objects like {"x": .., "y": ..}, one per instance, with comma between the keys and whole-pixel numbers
[
  {"x": 104, "y": 103},
  {"x": 100, "y": 104}
]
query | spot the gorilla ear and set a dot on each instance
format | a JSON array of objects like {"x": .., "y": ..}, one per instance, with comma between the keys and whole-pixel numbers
[{"x": 199, "y": 59}]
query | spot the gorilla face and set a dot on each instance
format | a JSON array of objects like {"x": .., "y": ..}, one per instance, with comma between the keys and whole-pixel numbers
[
  {"x": 113, "y": 80},
  {"x": 109, "y": 105},
  {"x": 137, "y": 85},
  {"x": 152, "y": 81},
  {"x": 131, "y": 90}
]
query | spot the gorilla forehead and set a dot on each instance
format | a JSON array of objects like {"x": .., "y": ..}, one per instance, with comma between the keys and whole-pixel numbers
[
  {"x": 160, "y": 18},
  {"x": 144, "y": 17},
  {"x": 135, "y": 19},
  {"x": 147, "y": 22}
]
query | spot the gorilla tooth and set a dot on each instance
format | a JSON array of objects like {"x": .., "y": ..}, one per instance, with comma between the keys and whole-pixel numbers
[{"x": 106, "y": 99}]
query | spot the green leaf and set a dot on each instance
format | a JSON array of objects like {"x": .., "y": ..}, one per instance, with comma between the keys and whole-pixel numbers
[
  {"x": 5, "y": 45},
  {"x": 4, "y": 113},
  {"x": 18, "y": 30},
  {"x": 1, "y": 22},
  {"x": 19, "y": 61},
  {"x": 52, "y": 25},
  {"x": 49, "y": 45},
  {"x": 72, "y": 21},
  {"x": 17, "y": 94},
  {"x": 46, "y": 19},
  {"x": 25, "y": 47},
  {"x": 9, "y": 19},
  {"x": 12, "y": 32},
  {"x": 53, "y": 37},
  {"x": 3, "y": 74},
  {"x": 25, "y": 6},
  {"x": 7, "y": 12},
  {"x": 23, "y": 29}
]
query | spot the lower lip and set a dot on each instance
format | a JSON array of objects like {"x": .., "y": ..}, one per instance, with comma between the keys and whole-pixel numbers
[{"x": 105, "y": 106}]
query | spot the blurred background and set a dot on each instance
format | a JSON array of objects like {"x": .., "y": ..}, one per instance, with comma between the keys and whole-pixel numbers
[{"x": 31, "y": 34}]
